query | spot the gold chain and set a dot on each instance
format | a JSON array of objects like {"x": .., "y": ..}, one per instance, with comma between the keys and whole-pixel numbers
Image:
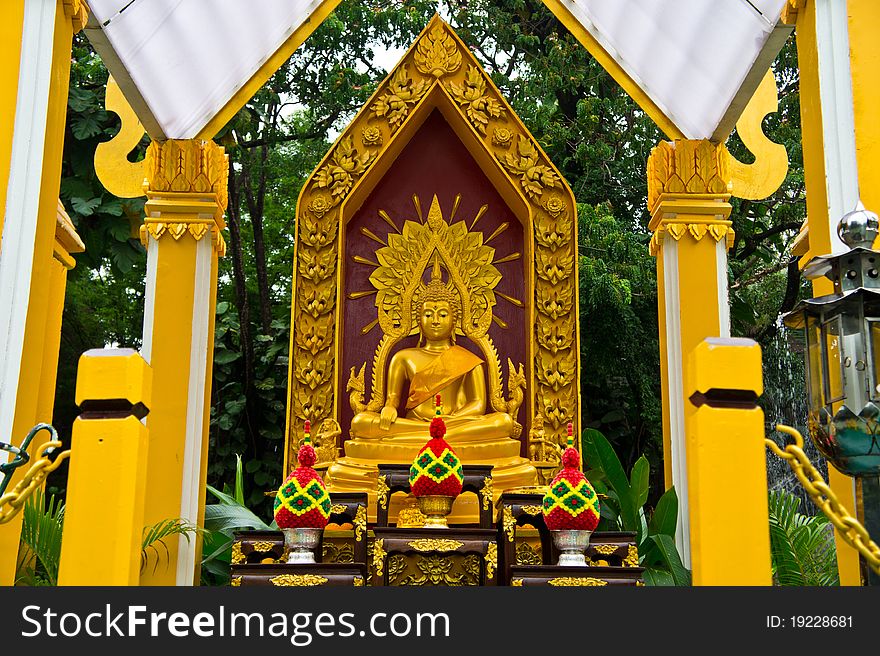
[
  {"x": 12, "y": 502},
  {"x": 850, "y": 529}
]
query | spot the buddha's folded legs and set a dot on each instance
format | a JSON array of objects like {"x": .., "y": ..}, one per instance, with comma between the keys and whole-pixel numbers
[{"x": 365, "y": 425}]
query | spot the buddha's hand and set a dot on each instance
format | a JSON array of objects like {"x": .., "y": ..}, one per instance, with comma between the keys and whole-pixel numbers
[{"x": 387, "y": 417}]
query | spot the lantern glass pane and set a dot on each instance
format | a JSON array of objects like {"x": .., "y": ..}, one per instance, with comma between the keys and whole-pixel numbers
[
  {"x": 832, "y": 347},
  {"x": 874, "y": 357},
  {"x": 814, "y": 363}
]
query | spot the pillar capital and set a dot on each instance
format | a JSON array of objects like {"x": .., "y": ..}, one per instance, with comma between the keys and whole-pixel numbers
[
  {"x": 688, "y": 191},
  {"x": 77, "y": 12},
  {"x": 186, "y": 189}
]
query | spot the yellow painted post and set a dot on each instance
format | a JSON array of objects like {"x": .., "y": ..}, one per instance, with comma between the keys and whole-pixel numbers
[
  {"x": 186, "y": 198},
  {"x": 726, "y": 464},
  {"x": 106, "y": 483},
  {"x": 25, "y": 375},
  {"x": 688, "y": 183},
  {"x": 826, "y": 146},
  {"x": 10, "y": 52}
]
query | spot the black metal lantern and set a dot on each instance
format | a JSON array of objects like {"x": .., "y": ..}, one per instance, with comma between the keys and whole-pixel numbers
[{"x": 843, "y": 350}]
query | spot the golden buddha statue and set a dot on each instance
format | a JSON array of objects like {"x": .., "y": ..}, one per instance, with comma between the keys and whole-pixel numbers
[
  {"x": 436, "y": 366},
  {"x": 393, "y": 426}
]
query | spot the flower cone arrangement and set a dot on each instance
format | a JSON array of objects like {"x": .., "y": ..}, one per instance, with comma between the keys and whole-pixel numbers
[
  {"x": 302, "y": 500},
  {"x": 436, "y": 470},
  {"x": 571, "y": 502}
]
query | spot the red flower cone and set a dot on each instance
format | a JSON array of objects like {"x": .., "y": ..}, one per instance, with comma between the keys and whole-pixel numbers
[
  {"x": 302, "y": 500},
  {"x": 436, "y": 470},
  {"x": 571, "y": 502}
]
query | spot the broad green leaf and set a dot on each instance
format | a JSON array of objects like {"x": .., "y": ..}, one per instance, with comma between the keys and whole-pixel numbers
[
  {"x": 85, "y": 126},
  {"x": 224, "y": 356},
  {"x": 83, "y": 206},
  {"x": 229, "y": 518},
  {"x": 657, "y": 577},
  {"x": 680, "y": 575},
  {"x": 600, "y": 455},
  {"x": 665, "y": 516},
  {"x": 639, "y": 481}
]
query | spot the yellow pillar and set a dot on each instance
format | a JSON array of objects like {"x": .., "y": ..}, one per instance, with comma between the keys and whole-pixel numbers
[
  {"x": 10, "y": 52},
  {"x": 837, "y": 57},
  {"x": 688, "y": 183},
  {"x": 186, "y": 198},
  {"x": 106, "y": 482},
  {"x": 26, "y": 256},
  {"x": 726, "y": 464}
]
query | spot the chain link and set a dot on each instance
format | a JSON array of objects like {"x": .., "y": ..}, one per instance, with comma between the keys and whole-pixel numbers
[
  {"x": 11, "y": 503},
  {"x": 850, "y": 529}
]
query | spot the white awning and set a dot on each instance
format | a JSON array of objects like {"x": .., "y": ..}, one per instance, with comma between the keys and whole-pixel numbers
[
  {"x": 187, "y": 66},
  {"x": 697, "y": 62}
]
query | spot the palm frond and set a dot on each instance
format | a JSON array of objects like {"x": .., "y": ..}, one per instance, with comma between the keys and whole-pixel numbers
[
  {"x": 802, "y": 547},
  {"x": 155, "y": 535},
  {"x": 41, "y": 536}
]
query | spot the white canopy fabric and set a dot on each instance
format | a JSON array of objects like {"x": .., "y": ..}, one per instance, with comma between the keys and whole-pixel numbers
[
  {"x": 699, "y": 61},
  {"x": 180, "y": 62}
]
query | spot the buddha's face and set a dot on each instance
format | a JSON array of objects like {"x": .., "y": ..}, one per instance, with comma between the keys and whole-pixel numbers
[{"x": 437, "y": 320}]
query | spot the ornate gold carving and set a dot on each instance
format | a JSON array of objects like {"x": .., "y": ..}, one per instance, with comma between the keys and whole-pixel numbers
[
  {"x": 697, "y": 231},
  {"x": 486, "y": 493},
  {"x": 396, "y": 567},
  {"x": 235, "y": 582},
  {"x": 378, "y": 557},
  {"x": 502, "y": 137},
  {"x": 491, "y": 559},
  {"x": 640, "y": 583},
  {"x": 534, "y": 176},
  {"x": 77, "y": 12},
  {"x": 187, "y": 166},
  {"x": 632, "y": 557},
  {"x": 358, "y": 581},
  {"x": 372, "y": 136},
  {"x": 478, "y": 105},
  {"x": 437, "y": 569},
  {"x": 437, "y": 53},
  {"x": 552, "y": 215},
  {"x": 344, "y": 167},
  {"x": 574, "y": 581},
  {"x": 532, "y": 510},
  {"x": 687, "y": 166},
  {"x": 526, "y": 554},
  {"x": 382, "y": 490},
  {"x": 360, "y": 524},
  {"x": 605, "y": 549},
  {"x": 509, "y": 523},
  {"x": 402, "y": 92},
  {"x": 297, "y": 580},
  {"x": 435, "y": 544},
  {"x": 516, "y": 583},
  {"x": 237, "y": 556},
  {"x": 337, "y": 508},
  {"x": 334, "y": 552}
]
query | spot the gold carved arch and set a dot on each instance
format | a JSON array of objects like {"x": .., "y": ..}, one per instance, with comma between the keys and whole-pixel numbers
[{"x": 437, "y": 72}]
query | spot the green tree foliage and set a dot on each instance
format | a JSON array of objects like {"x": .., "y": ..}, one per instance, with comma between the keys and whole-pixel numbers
[{"x": 802, "y": 547}]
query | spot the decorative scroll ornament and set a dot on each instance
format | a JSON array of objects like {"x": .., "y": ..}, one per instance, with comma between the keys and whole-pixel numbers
[
  {"x": 382, "y": 491},
  {"x": 486, "y": 493},
  {"x": 345, "y": 166},
  {"x": 235, "y": 582},
  {"x": 360, "y": 523},
  {"x": 119, "y": 176},
  {"x": 479, "y": 106},
  {"x": 569, "y": 581},
  {"x": 491, "y": 560},
  {"x": 378, "y": 557},
  {"x": 403, "y": 92},
  {"x": 509, "y": 523},
  {"x": 298, "y": 580},
  {"x": 632, "y": 556},
  {"x": 605, "y": 549},
  {"x": 534, "y": 176},
  {"x": 437, "y": 53},
  {"x": 237, "y": 556},
  {"x": 527, "y": 555},
  {"x": 358, "y": 581},
  {"x": 434, "y": 544}
]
